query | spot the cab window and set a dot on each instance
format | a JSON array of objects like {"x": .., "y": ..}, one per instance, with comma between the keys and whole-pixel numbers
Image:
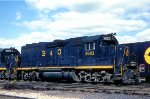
[{"x": 90, "y": 46}]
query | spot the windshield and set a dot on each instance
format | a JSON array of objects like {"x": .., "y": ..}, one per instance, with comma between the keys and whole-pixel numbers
[{"x": 107, "y": 43}]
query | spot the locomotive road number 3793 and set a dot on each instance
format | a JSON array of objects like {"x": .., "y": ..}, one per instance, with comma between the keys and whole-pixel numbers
[{"x": 107, "y": 38}]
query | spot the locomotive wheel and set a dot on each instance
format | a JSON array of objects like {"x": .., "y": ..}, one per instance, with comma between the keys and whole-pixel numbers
[
  {"x": 95, "y": 77},
  {"x": 108, "y": 78},
  {"x": 2, "y": 75},
  {"x": 25, "y": 76},
  {"x": 33, "y": 76},
  {"x": 130, "y": 76},
  {"x": 19, "y": 75},
  {"x": 82, "y": 76},
  {"x": 88, "y": 77}
]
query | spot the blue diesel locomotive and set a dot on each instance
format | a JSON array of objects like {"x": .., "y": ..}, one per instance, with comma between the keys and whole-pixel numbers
[
  {"x": 9, "y": 61},
  {"x": 90, "y": 59}
]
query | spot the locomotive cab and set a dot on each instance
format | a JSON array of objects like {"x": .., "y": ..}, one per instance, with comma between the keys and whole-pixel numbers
[
  {"x": 8, "y": 53},
  {"x": 98, "y": 57},
  {"x": 94, "y": 46}
]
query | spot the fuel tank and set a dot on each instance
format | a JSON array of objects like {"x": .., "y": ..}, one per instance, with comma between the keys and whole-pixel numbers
[{"x": 58, "y": 76}]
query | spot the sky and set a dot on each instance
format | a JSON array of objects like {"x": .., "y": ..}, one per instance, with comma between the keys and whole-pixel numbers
[{"x": 30, "y": 21}]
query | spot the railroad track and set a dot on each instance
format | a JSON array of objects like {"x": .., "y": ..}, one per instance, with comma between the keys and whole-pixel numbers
[{"x": 141, "y": 89}]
